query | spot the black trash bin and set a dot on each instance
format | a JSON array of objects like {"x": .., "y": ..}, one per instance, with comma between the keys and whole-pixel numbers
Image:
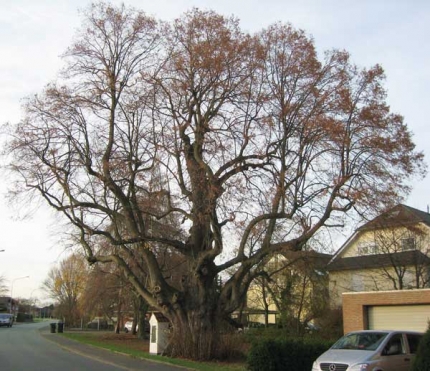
[
  {"x": 53, "y": 327},
  {"x": 60, "y": 327}
]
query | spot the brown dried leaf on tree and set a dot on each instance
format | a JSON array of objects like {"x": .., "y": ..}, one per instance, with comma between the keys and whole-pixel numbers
[{"x": 188, "y": 137}]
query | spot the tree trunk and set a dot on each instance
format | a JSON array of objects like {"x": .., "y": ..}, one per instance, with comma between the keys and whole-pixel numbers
[
  {"x": 266, "y": 307},
  {"x": 196, "y": 336},
  {"x": 143, "y": 309},
  {"x": 119, "y": 317},
  {"x": 197, "y": 320}
]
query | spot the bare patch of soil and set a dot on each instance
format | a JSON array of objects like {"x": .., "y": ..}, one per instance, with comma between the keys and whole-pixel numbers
[{"x": 128, "y": 340}]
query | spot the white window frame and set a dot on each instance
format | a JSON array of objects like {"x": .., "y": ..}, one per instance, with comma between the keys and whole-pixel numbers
[{"x": 368, "y": 248}]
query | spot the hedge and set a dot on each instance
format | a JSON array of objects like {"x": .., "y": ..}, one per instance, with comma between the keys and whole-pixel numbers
[
  {"x": 287, "y": 354},
  {"x": 24, "y": 317},
  {"x": 422, "y": 358}
]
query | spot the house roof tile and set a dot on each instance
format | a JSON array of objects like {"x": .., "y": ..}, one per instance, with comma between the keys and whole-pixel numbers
[
  {"x": 160, "y": 317},
  {"x": 317, "y": 259},
  {"x": 403, "y": 258},
  {"x": 398, "y": 215}
]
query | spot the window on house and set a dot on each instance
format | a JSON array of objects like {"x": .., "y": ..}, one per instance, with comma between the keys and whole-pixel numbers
[
  {"x": 368, "y": 249},
  {"x": 153, "y": 334},
  {"x": 357, "y": 283},
  {"x": 373, "y": 249},
  {"x": 408, "y": 244}
]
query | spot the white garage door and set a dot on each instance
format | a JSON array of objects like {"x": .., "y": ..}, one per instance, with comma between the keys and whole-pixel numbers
[{"x": 399, "y": 317}]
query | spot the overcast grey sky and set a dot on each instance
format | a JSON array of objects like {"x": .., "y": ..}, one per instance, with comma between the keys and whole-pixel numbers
[{"x": 34, "y": 33}]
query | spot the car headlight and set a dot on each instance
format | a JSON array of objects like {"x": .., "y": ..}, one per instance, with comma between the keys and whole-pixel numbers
[
  {"x": 360, "y": 367},
  {"x": 315, "y": 366}
]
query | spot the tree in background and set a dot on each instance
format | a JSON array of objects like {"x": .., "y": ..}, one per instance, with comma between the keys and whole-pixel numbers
[
  {"x": 104, "y": 295},
  {"x": 3, "y": 287},
  {"x": 108, "y": 295},
  {"x": 65, "y": 284},
  {"x": 258, "y": 145},
  {"x": 296, "y": 284}
]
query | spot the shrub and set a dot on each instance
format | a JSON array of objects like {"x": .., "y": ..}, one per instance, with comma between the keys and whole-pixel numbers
[
  {"x": 266, "y": 355},
  {"x": 331, "y": 324},
  {"x": 422, "y": 358},
  {"x": 23, "y": 317},
  {"x": 291, "y": 355}
]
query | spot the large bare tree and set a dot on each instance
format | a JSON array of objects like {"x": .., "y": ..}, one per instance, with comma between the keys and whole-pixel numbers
[{"x": 250, "y": 140}]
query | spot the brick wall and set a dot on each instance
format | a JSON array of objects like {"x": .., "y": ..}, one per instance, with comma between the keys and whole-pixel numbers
[{"x": 354, "y": 305}]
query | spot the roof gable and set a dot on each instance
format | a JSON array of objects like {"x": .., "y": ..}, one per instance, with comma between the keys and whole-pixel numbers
[
  {"x": 158, "y": 317},
  {"x": 400, "y": 215},
  {"x": 308, "y": 257}
]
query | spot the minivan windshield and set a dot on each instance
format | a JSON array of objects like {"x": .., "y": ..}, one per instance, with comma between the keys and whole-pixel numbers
[
  {"x": 360, "y": 341},
  {"x": 5, "y": 315}
]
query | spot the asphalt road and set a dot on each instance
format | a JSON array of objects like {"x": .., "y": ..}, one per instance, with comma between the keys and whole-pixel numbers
[{"x": 31, "y": 347}]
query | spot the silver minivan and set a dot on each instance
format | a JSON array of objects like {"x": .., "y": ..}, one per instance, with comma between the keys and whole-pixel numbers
[
  {"x": 371, "y": 350},
  {"x": 6, "y": 319}
]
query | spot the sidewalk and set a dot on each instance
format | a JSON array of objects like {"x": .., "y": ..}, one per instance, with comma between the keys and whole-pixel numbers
[{"x": 122, "y": 361}]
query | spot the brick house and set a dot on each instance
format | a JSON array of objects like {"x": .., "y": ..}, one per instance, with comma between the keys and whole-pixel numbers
[{"x": 382, "y": 310}]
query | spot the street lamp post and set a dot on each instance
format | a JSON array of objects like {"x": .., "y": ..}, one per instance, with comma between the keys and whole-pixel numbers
[{"x": 11, "y": 292}]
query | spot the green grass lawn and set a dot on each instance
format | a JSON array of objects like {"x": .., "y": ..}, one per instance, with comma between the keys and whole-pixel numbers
[{"x": 100, "y": 339}]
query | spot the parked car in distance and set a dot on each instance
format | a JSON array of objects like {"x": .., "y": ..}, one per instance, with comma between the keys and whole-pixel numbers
[
  {"x": 6, "y": 319},
  {"x": 128, "y": 326},
  {"x": 100, "y": 324},
  {"x": 371, "y": 350}
]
